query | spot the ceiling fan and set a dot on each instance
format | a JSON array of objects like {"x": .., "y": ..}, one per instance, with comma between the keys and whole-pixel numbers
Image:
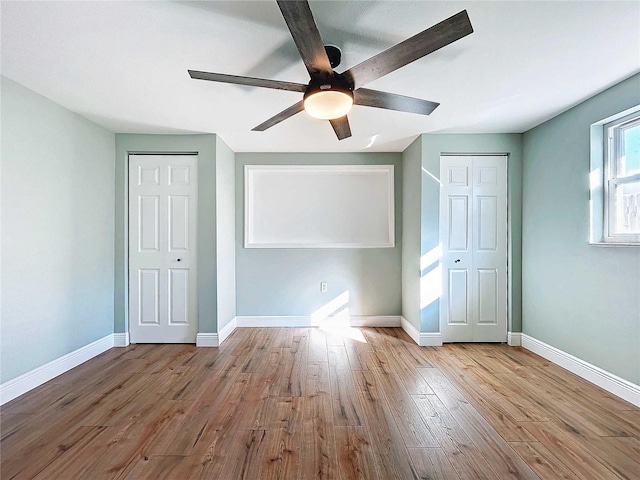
[{"x": 330, "y": 95}]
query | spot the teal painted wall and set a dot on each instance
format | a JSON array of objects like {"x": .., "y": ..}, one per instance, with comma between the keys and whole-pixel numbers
[
  {"x": 226, "y": 233},
  {"x": 411, "y": 203},
  {"x": 286, "y": 282},
  {"x": 60, "y": 184},
  {"x": 434, "y": 145},
  {"x": 57, "y": 231},
  {"x": 205, "y": 146},
  {"x": 580, "y": 298}
]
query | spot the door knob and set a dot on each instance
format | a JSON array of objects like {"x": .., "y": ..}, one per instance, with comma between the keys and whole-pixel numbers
[
  {"x": 179, "y": 260},
  {"x": 457, "y": 261}
]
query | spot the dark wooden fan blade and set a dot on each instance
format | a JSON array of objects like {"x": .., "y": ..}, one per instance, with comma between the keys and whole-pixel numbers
[
  {"x": 341, "y": 127},
  {"x": 289, "y": 112},
  {"x": 249, "y": 81},
  {"x": 299, "y": 19},
  {"x": 428, "y": 41},
  {"x": 391, "y": 101}
]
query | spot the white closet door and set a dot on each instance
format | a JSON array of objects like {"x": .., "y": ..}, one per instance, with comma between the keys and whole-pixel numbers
[
  {"x": 162, "y": 248},
  {"x": 456, "y": 215},
  {"x": 489, "y": 240},
  {"x": 473, "y": 235}
]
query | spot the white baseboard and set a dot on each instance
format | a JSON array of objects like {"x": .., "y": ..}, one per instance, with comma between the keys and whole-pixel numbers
[
  {"x": 36, "y": 377},
  {"x": 216, "y": 339},
  {"x": 376, "y": 321},
  {"x": 354, "y": 320},
  {"x": 270, "y": 321},
  {"x": 411, "y": 330},
  {"x": 431, "y": 339},
  {"x": 227, "y": 330},
  {"x": 121, "y": 339},
  {"x": 423, "y": 339},
  {"x": 606, "y": 380},
  {"x": 207, "y": 340},
  {"x": 514, "y": 339}
]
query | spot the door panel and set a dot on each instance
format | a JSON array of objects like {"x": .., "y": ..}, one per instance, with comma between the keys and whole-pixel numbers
[
  {"x": 455, "y": 237},
  {"x": 486, "y": 176},
  {"x": 458, "y": 224},
  {"x": 162, "y": 248},
  {"x": 148, "y": 222},
  {"x": 148, "y": 288},
  {"x": 490, "y": 248},
  {"x": 148, "y": 175},
  {"x": 487, "y": 223},
  {"x": 458, "y": 297},
  {"x": 179, "y": 175},
  {"x": 487, "y": 294},
  {"x": 473, "y": 235},
  {"x": 458, "y": 175},
  {"x": 178, "y": 296},
  {"x": 178, "y": 223}
]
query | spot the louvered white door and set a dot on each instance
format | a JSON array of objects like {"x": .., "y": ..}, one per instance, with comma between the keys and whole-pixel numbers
[
  {"x": 162, "y": 248},
  {"x": 473, "y": 237}
]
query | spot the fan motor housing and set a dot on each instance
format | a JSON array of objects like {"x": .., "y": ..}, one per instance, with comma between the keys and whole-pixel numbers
[
  {"x": 333, "y": 82},
  {"x": 334, "y": 54}
]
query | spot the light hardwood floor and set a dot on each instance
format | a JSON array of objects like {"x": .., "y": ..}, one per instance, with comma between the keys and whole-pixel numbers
[{"x": 304, "y": 403}]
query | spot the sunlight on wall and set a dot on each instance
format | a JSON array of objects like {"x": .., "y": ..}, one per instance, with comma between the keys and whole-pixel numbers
[
  {"x": 432, "y": 175},
  {"x": 595, "y": 179},
  {"x": 431, "y": 257},
  {"x": 326, "y": 311},
  {"x": 595, "y": 192},
  {"x": 431, "y": 282},
  {"x": 334, "y": 317},
  {"x": 431, "y": 287}
]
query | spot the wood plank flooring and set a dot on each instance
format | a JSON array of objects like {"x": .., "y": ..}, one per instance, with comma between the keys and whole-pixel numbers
[{"x": 302, "y": 403}]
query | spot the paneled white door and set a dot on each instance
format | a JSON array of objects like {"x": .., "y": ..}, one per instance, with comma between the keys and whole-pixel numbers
[
  {"x": 473, "y": 237},
  {"x": 162, "y": 248}
]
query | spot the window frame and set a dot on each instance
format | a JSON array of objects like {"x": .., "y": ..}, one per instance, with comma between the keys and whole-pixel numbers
[{"x": 613, "y": 146}]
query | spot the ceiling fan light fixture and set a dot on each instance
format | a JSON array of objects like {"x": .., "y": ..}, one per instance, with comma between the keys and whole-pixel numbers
[
  {"x": 330, "y": 95},
  {"x": 328, "y": 103}
]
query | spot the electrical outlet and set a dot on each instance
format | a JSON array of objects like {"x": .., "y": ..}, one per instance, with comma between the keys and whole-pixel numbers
[{"x": 324, "y": 287}]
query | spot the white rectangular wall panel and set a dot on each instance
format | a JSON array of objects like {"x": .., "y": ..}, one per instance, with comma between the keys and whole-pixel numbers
[{"x": 319, "y": 206}]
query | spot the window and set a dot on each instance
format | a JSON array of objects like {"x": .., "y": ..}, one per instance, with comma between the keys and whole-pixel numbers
[{"x": 622, "y": 180}]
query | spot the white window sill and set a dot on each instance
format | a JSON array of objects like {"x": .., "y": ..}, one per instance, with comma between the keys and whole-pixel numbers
[{"x": 613, "y": 244}]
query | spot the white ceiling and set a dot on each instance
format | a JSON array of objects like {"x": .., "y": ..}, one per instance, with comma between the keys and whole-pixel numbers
[{"x": 124, "y": 65}]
